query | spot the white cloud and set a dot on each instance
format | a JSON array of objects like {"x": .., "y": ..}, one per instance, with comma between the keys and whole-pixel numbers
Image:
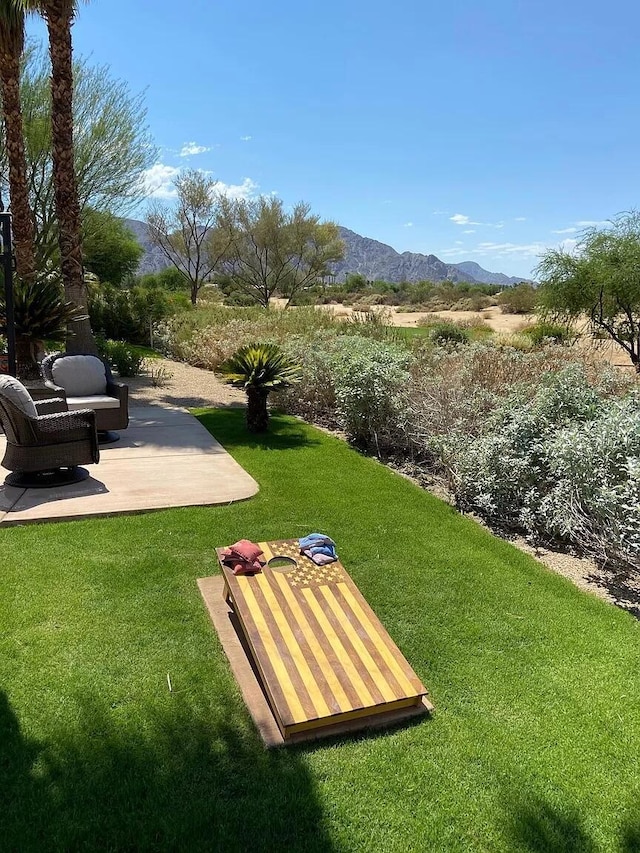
[
  {"x": 191, "y": 148},
  {"x": 459, "y": 243},
  {"x": 244, "y": 190},
  {"x": 440, "y": 213},
  {"x": 591, "y": 223},
  {"x": 158, "y": 180},
  {"x": 245, "y": 138},
  {"x": 408, "y": 225},
  {"x": 503, "y": 250},
  {"x": 469, "y": 231},
  {"x": 569, "y": 245},
  {"x": 565, "y": 231},
  {"x": 159, "y": 183},
  {"x": 520, "y": 219},
  {"x": 461, "y": 219}
]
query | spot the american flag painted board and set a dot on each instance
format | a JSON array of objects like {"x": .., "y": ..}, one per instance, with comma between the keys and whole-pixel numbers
[{"x": 323, "y": 656}]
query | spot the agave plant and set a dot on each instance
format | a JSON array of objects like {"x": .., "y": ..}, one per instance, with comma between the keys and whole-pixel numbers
[
  {"x": 259, "y": 369},
  {"x": 40, "y": 313}
]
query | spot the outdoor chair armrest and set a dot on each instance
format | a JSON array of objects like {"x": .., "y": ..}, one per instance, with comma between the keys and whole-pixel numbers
[
  {"x": 119, "y": 391},
  {"x": 51, "y": 405},
  {"x": 58, "y": 390},
  {"x": 72, "y": 426}
]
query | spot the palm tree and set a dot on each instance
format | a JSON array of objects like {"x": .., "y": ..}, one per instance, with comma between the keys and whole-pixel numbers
[
  {"x": 259, "y": 369},
  {"x": 59, "y": 15},
  {"x": 12, "y": 15}
]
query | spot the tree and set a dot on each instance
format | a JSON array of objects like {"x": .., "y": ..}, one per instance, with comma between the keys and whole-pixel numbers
[
  {"x": 601, "y": 279},
  {"x": 272, "y": 251},
  {"x": 111, "y": 251},
  {"x": 188, "y": 234},
  {"x": 12, "y": 14},
  {"x": 112, "y": 143},
  {"x": 260, "y": 369},
  {"x": 59, "y": 16}
]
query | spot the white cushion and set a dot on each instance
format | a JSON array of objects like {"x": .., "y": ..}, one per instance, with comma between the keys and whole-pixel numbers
[
  {"x": 95, "y": 401},
  {"x": 17, "y": 394},
  {"x": 79, "y": 375}
]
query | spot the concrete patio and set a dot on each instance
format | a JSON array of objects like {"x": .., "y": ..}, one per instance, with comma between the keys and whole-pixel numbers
[{"x": 166, "y": 458}]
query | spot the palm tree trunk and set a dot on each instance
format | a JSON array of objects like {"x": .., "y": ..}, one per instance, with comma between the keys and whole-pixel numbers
[
  {"x": 59, "y": 18},
  {"x": 257, "y": 412},
  {"x": 23, "y": 226}
]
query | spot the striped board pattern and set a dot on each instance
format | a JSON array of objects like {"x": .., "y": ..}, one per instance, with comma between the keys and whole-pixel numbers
[{"x": 323, "y": 656}]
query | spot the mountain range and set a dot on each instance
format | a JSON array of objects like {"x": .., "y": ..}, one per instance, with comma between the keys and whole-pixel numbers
[{"x": 370, "y": 258}]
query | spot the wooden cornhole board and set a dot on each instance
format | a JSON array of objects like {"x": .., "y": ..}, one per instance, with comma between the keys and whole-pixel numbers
[{"x": 323, "y": 660}]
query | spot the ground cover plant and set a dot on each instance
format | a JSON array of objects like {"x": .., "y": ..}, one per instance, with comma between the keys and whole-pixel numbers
[{"x": 533, "y": 746}]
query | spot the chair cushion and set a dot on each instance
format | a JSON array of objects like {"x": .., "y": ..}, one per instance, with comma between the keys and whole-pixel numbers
[
  {"x": 94, "y": 401},
  {"x": 17, "y": 394},
  {"x": 79, "y": 375}
]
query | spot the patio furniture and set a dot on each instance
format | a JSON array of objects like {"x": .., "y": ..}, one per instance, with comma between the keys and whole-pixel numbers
[
  {"x": 45, "y": 443},
  {"x": 86, "y": 382}
]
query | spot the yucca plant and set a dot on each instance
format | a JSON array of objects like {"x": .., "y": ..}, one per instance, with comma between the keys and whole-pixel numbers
[
  {"x": 41, "y": 313},
  {"x": 259, "y": 369}
]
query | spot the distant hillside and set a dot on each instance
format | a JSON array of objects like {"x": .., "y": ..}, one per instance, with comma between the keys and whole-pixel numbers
[
  {"x": 363, "y": 255},
  {"x": 471, "y": 268}
]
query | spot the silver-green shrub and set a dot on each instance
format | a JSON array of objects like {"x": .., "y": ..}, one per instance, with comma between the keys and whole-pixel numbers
[
  {"x": 353, "y": 383},
  {"x": 563, "y": 465}
]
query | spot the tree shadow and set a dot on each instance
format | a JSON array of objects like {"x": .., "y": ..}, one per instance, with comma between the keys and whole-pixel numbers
[
  {"x": 229, "y": 428},
  {"x": 174, "y": 781},
  {"x": 542, "y": 828},
  {"x": 630, "y": 839}
]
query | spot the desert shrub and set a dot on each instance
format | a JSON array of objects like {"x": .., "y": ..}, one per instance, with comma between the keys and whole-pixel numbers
[
  {"x": 369, "y": 379},
  {"x": 541, "y": 333},
  {"x": 129, "y": 315},
  {"x": 353, "y": 383},
  {"x": 520, "y": 299},
  {"x": 563, "y": 464},
  {"x": 457, "y": 391},
  {"x": 444, "y": 333},
  {"x": 122, "y": 357},
  {"x": 474, "y": 302}
]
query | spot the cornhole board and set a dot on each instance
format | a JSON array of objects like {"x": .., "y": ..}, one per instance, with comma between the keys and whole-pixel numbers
[{"x": 323, "y": 661}]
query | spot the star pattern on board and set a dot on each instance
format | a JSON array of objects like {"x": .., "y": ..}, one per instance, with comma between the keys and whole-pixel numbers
[{"x": 306, "y": 573}]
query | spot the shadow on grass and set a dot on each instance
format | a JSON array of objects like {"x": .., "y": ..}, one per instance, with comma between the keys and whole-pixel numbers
[
  {"x": 173, "y": 782},
  {"x": 541, "y": 828},
  {"x": 631, "y": 839},
  {"x": 230, "y": 429}
]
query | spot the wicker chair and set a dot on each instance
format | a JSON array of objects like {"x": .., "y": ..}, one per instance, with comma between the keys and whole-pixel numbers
[
  {"x": 110, "y": 401},
  {"x": 45, "y": 443}
]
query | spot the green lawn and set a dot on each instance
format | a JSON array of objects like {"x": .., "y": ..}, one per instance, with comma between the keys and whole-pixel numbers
[{"x": 534, "y": 745}]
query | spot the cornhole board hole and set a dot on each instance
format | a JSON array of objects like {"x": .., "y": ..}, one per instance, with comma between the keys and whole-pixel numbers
[{"x": 309, "y": 654}]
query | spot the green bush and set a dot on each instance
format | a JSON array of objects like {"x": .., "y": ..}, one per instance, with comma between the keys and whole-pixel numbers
[
  {"x": 444, "y": 333},
  {"x": 542, "y": 333},
  {"x": 122, "y": 358},
  {"x": 518, "y": 300},
  {"x": 130, "y": 315}
]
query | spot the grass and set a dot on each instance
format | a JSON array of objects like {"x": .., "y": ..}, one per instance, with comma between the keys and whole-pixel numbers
[{"x": 533, "y": 747}]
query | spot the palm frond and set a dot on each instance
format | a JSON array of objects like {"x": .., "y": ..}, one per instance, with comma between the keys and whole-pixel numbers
[{"x": 260, "y": 366}]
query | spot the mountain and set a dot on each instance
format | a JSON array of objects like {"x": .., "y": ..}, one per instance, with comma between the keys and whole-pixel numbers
[
  {"x": 153, "y": 259},
  {"x": 471, "y": 268},
  {"x": 363, "y": 255}
]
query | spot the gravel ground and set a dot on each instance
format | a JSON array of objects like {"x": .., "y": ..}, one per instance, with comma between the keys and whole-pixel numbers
[
  {"x": 193, "y": 387},
  {"x": 187, "y": 386}
]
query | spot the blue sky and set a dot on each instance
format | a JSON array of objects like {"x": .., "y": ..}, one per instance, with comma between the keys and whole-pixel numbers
[{"x": 475, "y": 131}]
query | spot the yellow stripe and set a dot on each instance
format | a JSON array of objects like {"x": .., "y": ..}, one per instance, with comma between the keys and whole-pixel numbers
[
  {"x": 271, "y": 648},
  {"x": 314, "y": 646},
  {"x": 268, "y": 553},
  {"x": 388, "y": 694},
  {"x": 343, "y": 657},
  {"x": 321, "y": 707},
  {"x": 380, "y": 645}
]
